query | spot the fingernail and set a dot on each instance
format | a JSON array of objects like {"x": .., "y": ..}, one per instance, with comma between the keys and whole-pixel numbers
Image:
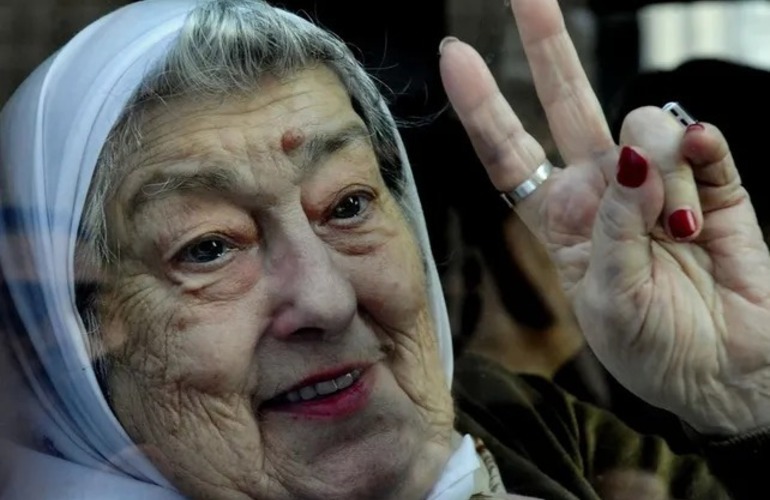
[
  {"x": 632, "y": 168},
  {"x": 682, "y": 223},
  {"x": 695, "y": 127},
  {"x": 447, "y": 40}
]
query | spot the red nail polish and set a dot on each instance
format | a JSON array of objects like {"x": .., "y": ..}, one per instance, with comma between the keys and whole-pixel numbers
[
  {"x": 695, "y": 126},
  {"x": 682, "y": 223},
  {"x": 632, "y": 168}
]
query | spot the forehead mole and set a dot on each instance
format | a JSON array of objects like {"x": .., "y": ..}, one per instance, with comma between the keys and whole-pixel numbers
[{"x": 291, "y": 140}]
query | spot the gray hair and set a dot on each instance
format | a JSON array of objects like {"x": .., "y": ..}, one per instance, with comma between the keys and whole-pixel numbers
[{"x": 226, "y": 47}]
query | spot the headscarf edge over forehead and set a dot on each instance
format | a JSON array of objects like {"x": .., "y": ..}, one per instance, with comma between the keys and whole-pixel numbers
[{"x": 51, "y": 134}]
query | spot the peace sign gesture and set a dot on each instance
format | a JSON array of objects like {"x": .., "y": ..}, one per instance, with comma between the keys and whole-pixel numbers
[{"x": 655, "y": 239}]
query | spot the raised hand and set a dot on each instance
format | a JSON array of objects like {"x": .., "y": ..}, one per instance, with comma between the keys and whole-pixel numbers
[{"x": 655, "y": 239}]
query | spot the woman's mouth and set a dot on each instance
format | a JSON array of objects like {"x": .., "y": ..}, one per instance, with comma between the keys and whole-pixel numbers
[
  {"x": 329, "y": 396},
  {"x": 326, "y": 388}
]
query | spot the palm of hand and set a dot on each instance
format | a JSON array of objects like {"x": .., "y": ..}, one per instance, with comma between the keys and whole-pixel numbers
[
  {"x": 680, "y": 322},
  {"x": 693, "y": 329}
]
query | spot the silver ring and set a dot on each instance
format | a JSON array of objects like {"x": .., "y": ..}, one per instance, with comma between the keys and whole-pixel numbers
[{"x": 526, "y": 188}]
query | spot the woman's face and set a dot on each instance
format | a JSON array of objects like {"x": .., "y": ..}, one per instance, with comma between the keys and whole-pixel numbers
[{"x": 267, "y": 323}]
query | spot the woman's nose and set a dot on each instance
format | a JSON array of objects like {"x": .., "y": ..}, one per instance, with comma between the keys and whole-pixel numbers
[{"x": 310, "y": 290}]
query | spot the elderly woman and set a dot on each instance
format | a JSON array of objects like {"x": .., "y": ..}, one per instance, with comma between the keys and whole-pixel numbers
[{"x": 217, "y": 281}]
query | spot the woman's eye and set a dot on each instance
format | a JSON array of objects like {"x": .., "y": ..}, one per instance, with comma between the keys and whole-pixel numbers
[
  {"x": 204, "y": 251},
  {"x": 351, "y": 206}
]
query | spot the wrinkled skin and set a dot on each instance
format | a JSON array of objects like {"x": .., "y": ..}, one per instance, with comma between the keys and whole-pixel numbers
[
  {"x": 230, "y": 291},
  {"x": 679, "y": 319}
]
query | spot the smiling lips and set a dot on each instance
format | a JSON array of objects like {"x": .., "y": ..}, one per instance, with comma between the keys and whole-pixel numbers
[
  {"x": 327, "y": 396},
  {"x": 324, "y": 388}
]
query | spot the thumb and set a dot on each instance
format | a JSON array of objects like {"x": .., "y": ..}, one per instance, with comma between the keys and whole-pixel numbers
[{"x": 621, "y": 255}]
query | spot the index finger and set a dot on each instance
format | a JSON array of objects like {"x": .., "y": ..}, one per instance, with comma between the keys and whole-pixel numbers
[
  {"x": 575, "y": 117},
  {"x": 506, "y": 150}
]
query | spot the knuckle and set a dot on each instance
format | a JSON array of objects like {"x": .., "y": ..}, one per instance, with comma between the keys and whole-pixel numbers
[{"x": 637, "y": 122}]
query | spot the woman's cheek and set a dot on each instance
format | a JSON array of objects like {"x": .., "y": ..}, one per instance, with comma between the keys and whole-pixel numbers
[
  {"x": 216, "y": 344},
  {"x": 207, "y": 348},
  {"x": 391, "y": 284},
  {"x": 200, "y": 336},
  {"x": 135, "y": 301}
]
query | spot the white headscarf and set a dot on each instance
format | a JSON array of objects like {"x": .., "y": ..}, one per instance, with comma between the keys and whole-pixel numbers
[{"x": 69, "y": 443}]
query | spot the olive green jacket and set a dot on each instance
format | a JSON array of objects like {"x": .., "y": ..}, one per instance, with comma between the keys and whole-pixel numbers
[{"x": 549, "y": 445}]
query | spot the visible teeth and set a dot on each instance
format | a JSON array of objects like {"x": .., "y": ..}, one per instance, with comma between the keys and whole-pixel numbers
[
  {"x": 323, "y": 388},
  {"x": 308, "y": 393},
  {"x": 328, "y": 387},
  {"x": 345, "y": 381}
]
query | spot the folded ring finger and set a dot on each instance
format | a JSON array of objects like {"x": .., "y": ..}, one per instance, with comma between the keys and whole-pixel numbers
[{"x": 655, "y": 131}]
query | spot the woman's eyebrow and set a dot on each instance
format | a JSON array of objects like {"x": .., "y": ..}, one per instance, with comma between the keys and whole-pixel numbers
[
  {"x": 207, "y": 179},
  {"x": 222, "y": 179},
  {"x": 318, "y": 147}
]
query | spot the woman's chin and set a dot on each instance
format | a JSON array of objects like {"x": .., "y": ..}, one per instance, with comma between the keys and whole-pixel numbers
[
  {"x": 376, "y": 450},
  {"x": 379, "y": 466}
]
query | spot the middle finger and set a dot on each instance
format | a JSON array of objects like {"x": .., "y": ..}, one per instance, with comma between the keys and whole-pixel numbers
[{"x": 574, "y": 114}]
